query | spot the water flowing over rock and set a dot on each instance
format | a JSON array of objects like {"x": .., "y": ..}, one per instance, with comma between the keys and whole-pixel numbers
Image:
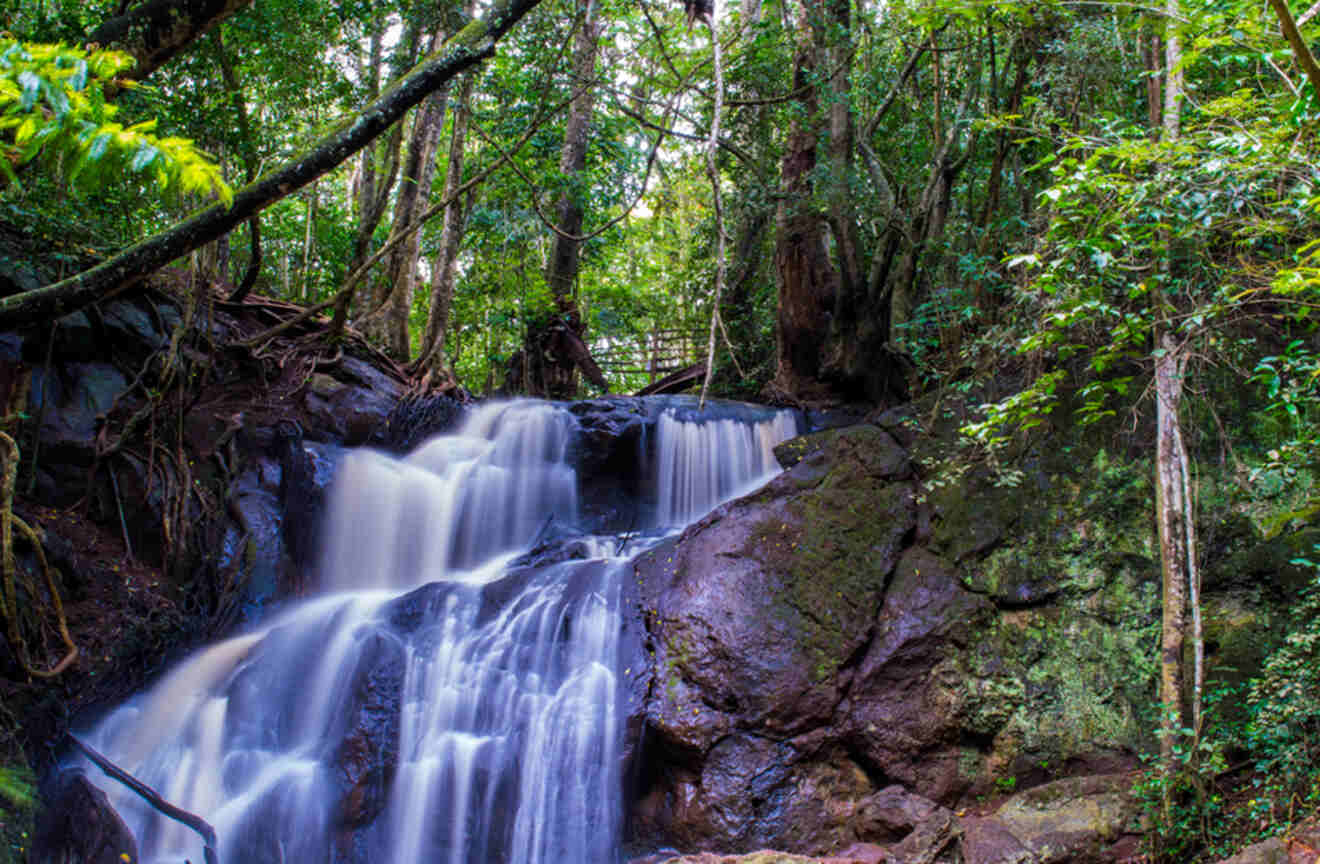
[{"x": 435, "y": 703}]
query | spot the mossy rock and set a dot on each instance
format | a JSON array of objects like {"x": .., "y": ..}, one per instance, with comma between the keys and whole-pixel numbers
[
  {"x": 1267, "y": 565},
  {"x": 1238, "y": 635}
]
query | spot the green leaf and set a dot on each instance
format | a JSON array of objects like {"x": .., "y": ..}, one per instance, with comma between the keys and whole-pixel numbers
[
  {"x": 145, "y": 155},
  {"x": 97, "y": 148},
  {"x": 31, "y": 88}
]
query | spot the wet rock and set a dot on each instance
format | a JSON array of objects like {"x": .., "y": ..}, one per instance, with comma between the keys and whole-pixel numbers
[
  {"x": 367, "y": 755},
  {"x": 906, "y": 709},
  {"x": 78, "y": 394},
  {"x": 893, "y": 813},
  {"x": 78, "y": 825},
  {"x": 407, "y": 614},
  {"x": 610, "y": 457},
  {"x": 835, "y": 418},
  {"x": 864, "y": 447},
  {"x": 127, "y": 322},
  {"x": 931, "y": 841},
  {"x": 301, "y": 496},
  {"x": 351, "y": 406},
  {"x": 252, "y": 551},
  {"x": 414, "y": 420},
  {"x": 758, "y": 616}
]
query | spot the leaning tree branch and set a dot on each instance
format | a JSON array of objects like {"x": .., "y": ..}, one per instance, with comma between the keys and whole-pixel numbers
[
  {"x": 472, "y": 44},
  {"x": 1301, "y": 51},
  {"x": 155, "y": 31},
  {"x": 152, "y": 797}
]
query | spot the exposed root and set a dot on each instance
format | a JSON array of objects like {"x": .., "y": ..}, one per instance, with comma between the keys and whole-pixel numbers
[{"x": 9, "y": 599}]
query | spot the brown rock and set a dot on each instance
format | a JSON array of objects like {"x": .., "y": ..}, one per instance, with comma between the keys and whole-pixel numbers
[
  {"x": 901, "y": 714},
  {"x": 860, "y": 853}
]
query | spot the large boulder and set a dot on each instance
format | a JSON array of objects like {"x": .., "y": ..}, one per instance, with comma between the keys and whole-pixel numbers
[
  {"x": 762, "y": 618},
  {"x": 1086, "y": 820},
  {"x": 1301, "y": 845}
]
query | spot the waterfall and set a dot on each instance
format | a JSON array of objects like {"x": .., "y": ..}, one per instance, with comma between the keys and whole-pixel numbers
[
  {"x": 437, "y": 702},
  {"x": 703, "y": 460}
]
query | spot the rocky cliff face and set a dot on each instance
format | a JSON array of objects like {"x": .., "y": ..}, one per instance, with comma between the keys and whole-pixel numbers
[{"x": 837, "y": 659}]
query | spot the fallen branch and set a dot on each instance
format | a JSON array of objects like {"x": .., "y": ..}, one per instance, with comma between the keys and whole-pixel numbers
[{"x": 146, "y": 793}]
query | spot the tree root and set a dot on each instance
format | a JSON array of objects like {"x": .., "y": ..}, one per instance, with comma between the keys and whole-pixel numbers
[{"x": 9, "y": 600}]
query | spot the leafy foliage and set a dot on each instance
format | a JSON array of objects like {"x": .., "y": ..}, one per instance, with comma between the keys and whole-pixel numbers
[{"x": 53, "y": 109}]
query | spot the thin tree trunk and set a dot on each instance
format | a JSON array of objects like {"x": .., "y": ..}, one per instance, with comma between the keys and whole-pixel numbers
[
  {"x": 249, "y": 149},
  {"x": 1174, "y": 542},
  {"x": 376, "y": 175},
  {"x": 309, "y": 235},
  {"x": 713, "y": 171},
  {"x": 414, "y": 192},
  {"x": 1174, "y": 516},
  {"x": 443, "y": 272},
  {"x": 551, "y": 347}
]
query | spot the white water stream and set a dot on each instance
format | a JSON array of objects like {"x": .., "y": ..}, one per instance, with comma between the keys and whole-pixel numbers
[{"x": 476, "y": 720}]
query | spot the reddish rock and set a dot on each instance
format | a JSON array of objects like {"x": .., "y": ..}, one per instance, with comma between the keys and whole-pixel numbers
[
  {"x": 1081, "y": 820},
  {"x": 1301, "y": 845}
]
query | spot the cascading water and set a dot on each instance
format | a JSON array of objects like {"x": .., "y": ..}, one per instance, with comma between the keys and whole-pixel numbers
[
  {"x": 436, "y": 704},
  {"x": 703, "y": 460}
]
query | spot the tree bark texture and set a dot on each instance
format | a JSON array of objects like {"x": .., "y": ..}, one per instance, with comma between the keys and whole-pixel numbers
[
  {"x": 444, "y": 271},
  {"x": 1170, "y": 504},
  {"x": 414, "y": 191},
  {"x": 474, "y": 43},
  {"x": 552, "y": 346},
  {"x": 156, "y": 31},
  {"x": 807, "y": 281}
]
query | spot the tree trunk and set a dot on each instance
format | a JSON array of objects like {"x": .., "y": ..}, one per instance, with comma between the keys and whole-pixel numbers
[
  {"x": 552, "y": 347},
  {"x": 473, "y": 44},
  {"x": 807, "y": 281},
  {"x": 1180, "y": 579},
  {"x": 431, "y": 358},
  {"x": 376, "y": 174},
  {"x": 154, "y": 32},
  {"x": 414, "y": 191},
  {"x": 249, "y": 150},
  {"x": 309, "y": 235},
  {"x": 1170, "y": 464},
  {"x": 1020, "y": 56}
]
